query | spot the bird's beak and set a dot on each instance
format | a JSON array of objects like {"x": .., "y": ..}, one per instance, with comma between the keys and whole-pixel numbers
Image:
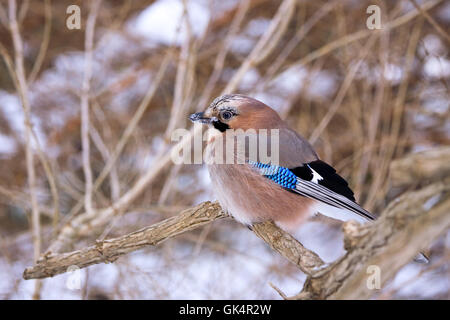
[{"x": 200, "y": 117}]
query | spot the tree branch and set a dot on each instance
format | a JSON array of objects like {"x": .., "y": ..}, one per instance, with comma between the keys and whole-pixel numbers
[
  {"x": 109, "y": 250},
  {"x": 22, "y": 90},
  {"x": 285, "y": 244},
  {"x": 189, "y": 219},
  {"x": 86, "y": 87},
  {"x": 429, "y": 165}
]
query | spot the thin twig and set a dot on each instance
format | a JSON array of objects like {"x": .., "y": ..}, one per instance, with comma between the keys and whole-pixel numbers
[
  {"x": 266, "y": 43},
  {"x": 88, "y": 56},
  {"x": 341, "y": 42},
  {"x": 133, "y": 192},
  {"x": 23, "y": 93},
  {"x": 342, "y": 92},
  {"x": 431, "y": 21},
  {"x": 293, "y": 43},
  {"x": 220, "y": 59},
  {"x": 44, "y": 44}
]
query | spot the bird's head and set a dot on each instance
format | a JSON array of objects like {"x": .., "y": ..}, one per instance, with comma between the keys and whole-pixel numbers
[{"x": 235, "y": 111}]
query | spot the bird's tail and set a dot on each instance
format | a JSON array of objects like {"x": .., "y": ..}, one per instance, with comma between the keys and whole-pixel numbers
[{"x": 345, "y": 215}]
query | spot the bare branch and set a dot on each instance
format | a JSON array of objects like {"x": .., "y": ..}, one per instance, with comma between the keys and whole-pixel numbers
[
  {"x": 110, "y": 250},
  {"x": 23, "y": 94},
  {"x": 342, "y": 91},
  {"x": 431, "y": 21},
  {"x": 341, "y": 42},
  {"x": 71, "y": 229},
  {"x": 421, "y": 166},
  {"x": 44, "y": 44},
  {"x": 207, "y": 212},
  {"x": 185, "y": 76},
  {"x": 266, "y": 43},
  {"x": 220, "y": 59},
  {"x": 19, "y": 87},
  {"x": 89, "y": 44},
  {"x": 288, "y": 247},
  {"x": 293, "y": 43}
]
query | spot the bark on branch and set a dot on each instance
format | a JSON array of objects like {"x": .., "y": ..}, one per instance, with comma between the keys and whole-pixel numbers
[
  {"x": 190, "y": 219},
  {"x": 422, "y": 166},
  {"x": 109, "y": 250}
]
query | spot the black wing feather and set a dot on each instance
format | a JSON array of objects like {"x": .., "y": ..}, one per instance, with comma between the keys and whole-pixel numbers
[
  {"x": 344, "y": 197},
  {"x": 331, "y": 179}
]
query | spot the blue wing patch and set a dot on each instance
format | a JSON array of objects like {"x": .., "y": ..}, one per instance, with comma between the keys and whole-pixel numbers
[{"x": 280, "y": 175}]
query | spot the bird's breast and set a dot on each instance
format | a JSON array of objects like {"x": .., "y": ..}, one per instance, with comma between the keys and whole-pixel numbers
[{"x": 250, "y": 197}]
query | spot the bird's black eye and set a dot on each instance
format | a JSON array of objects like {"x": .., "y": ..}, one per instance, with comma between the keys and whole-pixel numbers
[{"x": 226, "y": 115}]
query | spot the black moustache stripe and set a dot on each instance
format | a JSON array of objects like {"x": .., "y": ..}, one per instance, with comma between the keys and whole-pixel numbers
[{"x": 220, "y": 126}]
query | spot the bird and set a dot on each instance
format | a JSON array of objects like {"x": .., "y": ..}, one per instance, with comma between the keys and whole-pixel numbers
[{"x": 289, "y": 192}]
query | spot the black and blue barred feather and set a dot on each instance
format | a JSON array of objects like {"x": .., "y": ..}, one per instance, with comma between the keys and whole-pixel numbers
[{"x": 282, "y": 176}]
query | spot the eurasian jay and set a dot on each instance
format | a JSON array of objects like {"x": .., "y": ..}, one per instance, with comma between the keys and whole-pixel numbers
[{"x": 288, "y": 192}]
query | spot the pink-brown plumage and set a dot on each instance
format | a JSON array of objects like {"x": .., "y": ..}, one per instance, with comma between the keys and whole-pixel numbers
[{"x": 250, "y": 197}]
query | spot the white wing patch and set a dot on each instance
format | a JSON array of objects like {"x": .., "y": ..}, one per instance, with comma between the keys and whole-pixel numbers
[{"x": 316, "y": 177}]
